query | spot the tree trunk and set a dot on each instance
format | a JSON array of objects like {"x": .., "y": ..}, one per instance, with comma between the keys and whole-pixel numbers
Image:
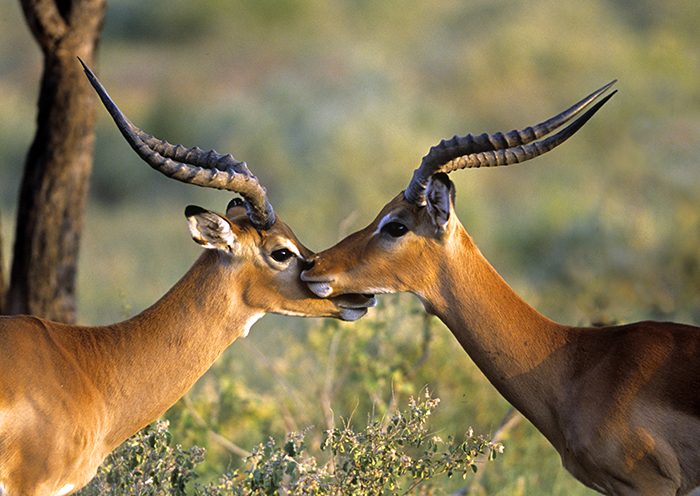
[
  {"x": 58, "y": 166},
  {"x": 3, "y": 290}
]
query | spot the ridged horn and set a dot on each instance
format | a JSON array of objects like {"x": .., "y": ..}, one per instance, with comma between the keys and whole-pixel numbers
[
  {"x": 490, "y": 150},
  {"x": 192, "y": 165}
]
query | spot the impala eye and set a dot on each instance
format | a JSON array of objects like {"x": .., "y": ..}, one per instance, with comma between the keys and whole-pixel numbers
[
  {"x": 282, "y": 255},
  {"x": 394, "y": 229}
]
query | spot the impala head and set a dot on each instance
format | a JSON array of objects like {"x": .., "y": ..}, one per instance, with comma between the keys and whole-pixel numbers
[
  {"x": 402, "y": 248},
  {"x": 251, "y": 237}
]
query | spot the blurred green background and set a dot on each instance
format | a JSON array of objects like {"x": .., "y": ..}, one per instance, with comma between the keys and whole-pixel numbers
[{"x": 332, "y": 105}]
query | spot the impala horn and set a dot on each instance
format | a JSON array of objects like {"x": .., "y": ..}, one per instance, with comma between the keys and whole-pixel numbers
[
  {"x": 490, "y": 150},
  {"x": 192, "y": 165}
]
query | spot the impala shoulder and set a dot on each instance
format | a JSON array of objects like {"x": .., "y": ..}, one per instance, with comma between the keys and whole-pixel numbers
[{"x": 26, "y": 323}]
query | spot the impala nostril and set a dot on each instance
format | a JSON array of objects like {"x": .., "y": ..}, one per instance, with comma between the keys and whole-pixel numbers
[{"x": 307, "y": 264}]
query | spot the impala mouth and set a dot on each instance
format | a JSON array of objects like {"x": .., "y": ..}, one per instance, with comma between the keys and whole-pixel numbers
[
  {"x": 321, "y": 289},
  {"x": 354, "y": 301},
  {"x": 324, "y": 290},
  {"x": 353, "y": 306}
]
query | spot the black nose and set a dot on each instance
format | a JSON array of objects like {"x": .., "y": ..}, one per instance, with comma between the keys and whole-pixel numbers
[{"x": 307, "y": 265}]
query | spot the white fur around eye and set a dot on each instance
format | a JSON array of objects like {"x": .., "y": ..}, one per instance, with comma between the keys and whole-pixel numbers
[
  {"x": 293, "y": 249},
  {"x": 387, "y": 218},
  {"x": 284, "y": 244}
]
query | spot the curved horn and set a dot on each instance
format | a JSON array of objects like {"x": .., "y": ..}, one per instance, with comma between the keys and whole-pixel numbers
[
  {"x": 192, "y": 165},
  {"x": 489, "y": 150}
]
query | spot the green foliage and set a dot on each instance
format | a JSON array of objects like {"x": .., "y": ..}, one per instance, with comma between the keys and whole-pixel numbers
[
  {"x": 393, "y": 456},
  {"x": 146, "y": 465},
  {"x": 376, "y": 460}
]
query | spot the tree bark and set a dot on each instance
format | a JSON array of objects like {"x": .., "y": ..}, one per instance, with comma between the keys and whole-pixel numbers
[
  {"x": 59, "y": 162},
  {"x": 3, "y": 289}
]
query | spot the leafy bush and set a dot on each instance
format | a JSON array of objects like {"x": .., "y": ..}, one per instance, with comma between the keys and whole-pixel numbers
[
  {"x": 394, "y": 456},
  {"x": 146, "y": 465}
]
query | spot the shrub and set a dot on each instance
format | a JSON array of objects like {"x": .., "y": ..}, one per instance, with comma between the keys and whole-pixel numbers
[{"x": 396, "y": 455}]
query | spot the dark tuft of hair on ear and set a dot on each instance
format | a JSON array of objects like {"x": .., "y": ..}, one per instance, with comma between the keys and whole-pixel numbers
[{"x": 192, "y": 210}]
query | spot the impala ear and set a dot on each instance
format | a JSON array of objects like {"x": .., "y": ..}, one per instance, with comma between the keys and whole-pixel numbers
[
  {"x": 439, "y": 195},
  {"x": 211, "y": 230}
]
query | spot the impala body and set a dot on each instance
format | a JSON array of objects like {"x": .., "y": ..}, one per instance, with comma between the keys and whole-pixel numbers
[
  {"x": 620, "y": 404},
  {"x": 70, "y": 394}
]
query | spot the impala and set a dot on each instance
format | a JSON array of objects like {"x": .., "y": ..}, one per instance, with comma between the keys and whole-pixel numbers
[
  {"x": 620, "y": 404},
  {"x": 70, "y": 394}
]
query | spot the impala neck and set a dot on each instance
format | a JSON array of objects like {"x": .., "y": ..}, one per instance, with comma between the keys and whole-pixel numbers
[
  {"x": 520, "y": 351},
  {"x": 160, "y": 353}
]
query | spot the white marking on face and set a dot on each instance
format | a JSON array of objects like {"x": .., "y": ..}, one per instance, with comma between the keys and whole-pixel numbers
[
  {"x": 282, "y": 244},
  {"x": 292, "y": 247},
  {"x": 387, "y": 218}
]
